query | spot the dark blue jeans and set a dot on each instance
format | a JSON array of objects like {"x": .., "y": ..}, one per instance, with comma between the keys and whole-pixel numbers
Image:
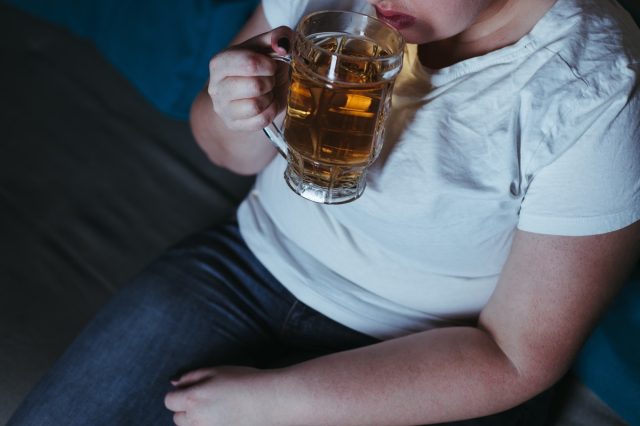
[{"x": 206, "y": 302}]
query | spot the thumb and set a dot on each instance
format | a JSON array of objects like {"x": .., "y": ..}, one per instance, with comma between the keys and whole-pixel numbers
[
  {"x": 282, "y": 40},
  {"x": 278, "y": 40},
  {"x": 194, "y": 376}
]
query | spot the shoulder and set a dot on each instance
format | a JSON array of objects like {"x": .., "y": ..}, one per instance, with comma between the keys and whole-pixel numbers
[
  {"x": 587, "y": 71},
  {"x": 591, "y": 42},
  {"x": 289, "y": 12},
  {"x": 578, "y": 123}
]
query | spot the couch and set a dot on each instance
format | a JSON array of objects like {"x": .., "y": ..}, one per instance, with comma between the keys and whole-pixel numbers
[{"x": 95, "y": 182}]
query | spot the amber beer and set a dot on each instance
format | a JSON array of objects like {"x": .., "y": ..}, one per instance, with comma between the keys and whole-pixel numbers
[
  {"x": 343, "y": 65},
  {"x": 333, "y": 127}
]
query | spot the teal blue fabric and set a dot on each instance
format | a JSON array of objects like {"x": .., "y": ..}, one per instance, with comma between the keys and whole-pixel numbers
[
  {"x": 163, "y": 48},
  {"x": 610, "y": 361}
]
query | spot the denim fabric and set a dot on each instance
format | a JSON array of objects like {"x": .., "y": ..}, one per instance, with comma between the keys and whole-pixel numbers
[{"x": 206, "y": 302}]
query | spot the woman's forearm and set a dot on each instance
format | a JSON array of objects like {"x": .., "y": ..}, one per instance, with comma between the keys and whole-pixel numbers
[
  {"x": 435, "y": 376},
  {"x": 244, "y": 153}
]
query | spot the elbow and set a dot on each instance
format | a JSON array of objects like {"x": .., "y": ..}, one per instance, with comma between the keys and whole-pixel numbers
[
  {"x": 532, "y": 366},
  {"x": 536, "y": 370},
  {"x": 199, "y": 117},
  {"x": 240, "y": 158},
  {"x": 239, "y": 168},
  {"x": 200, "y": 121},
  {"x": 539, "y": 375}
]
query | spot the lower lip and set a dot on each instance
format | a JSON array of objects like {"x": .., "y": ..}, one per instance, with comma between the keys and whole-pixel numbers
[{"x": 399, "y": 22}]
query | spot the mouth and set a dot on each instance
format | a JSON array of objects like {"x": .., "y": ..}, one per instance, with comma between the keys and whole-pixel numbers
[{"x": 397, "y": 20}]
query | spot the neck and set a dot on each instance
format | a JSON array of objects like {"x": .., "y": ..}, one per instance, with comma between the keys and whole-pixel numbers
[{"x": 503, "y": 23}]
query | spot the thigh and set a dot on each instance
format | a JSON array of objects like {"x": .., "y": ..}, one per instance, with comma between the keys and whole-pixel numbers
[{"x": 203, "y": 303}]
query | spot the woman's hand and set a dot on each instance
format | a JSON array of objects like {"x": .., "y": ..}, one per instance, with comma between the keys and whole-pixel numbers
[
  {"x": 229, "y": 396},
  {"x": 246, "y": 85}
]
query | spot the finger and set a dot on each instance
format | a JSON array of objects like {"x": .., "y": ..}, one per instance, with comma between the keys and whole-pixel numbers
[
  {"x": 194, "y": 376},
  {"x": 257, "y": 122},
  {"x": 176, "y": 401},
  {"x": 251, "y": 57},
  {"x": 180, "y": 419},
  {"x": 281, "y": 40},
  {"x": 243, "y": 87},
  {"x": 248, "y": 108},
  {"x": 242, "y": 63},
  {"x": 269, "y": 41}
]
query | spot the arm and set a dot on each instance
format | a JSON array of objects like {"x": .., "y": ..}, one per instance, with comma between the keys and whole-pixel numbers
[
  {"x": 244, "y": 94},
  {"x": 549, "y": 296},
  {"x": 551, "y": 293}
]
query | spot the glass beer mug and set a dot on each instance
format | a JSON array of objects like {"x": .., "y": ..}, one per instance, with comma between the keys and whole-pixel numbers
[{"x": 343, "y": 66}]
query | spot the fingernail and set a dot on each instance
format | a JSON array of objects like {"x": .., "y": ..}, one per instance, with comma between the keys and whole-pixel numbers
[{"x": 284, "y": 43}]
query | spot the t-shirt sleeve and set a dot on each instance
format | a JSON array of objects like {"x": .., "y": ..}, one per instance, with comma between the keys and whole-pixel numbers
[
  {"x": 289, "y": 12},
  {"x": 594, "y": 186},
  {"x": 284, "y": 12}
]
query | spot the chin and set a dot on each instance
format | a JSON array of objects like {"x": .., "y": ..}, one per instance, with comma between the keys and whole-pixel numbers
[{"x": 416, "y": 37}]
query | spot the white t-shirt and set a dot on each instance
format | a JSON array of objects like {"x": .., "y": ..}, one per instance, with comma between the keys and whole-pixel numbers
[{"x": 541, "y": 136}]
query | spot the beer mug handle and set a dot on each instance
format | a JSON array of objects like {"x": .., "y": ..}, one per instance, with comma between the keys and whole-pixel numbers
[{"x": 272, "y": 131}]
